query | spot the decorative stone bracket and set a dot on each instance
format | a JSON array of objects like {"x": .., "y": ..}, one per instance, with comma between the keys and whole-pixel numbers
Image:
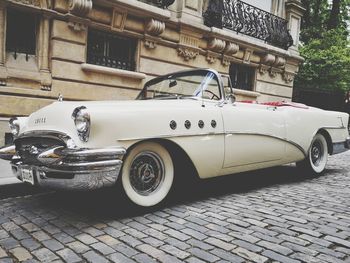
[
  {"x": 273, "y": 61},
  {"x": 211, "y": 57},
  {"x": 77, "y": 26},
  {"x": 150, "y": 42},
  {"x": 80, "y": 7},
  {"x": 155, "y": 27},
  {"x": 287, "y": 76},
  {"x": 225, "y": 48},
  {"x": 78, "y": 10},
  {"x": 272, "y": 64}
]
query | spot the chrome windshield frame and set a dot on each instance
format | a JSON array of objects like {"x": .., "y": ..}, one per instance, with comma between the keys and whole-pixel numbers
[{"x": 187, "y": 72}]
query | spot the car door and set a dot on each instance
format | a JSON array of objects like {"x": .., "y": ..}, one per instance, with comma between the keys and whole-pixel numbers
[{"x": 254, "y": 134}]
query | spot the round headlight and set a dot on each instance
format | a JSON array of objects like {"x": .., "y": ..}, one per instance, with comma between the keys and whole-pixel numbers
[
  {"x": 81, "y": 119},
  {"x": 14, "y": 126}
]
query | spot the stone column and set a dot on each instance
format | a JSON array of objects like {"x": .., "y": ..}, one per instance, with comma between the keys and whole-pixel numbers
[
  {"x": 44, "y": 44},
  {"x": 44, "y": 37},
  {"x": 294, "y": 13},
  {"x": 3, "y": 74}
]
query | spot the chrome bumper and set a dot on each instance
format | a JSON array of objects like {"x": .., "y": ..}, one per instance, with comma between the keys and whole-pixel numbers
[
  {"x": 70, "y": 169},
  {"x": 340, "y": 147}
]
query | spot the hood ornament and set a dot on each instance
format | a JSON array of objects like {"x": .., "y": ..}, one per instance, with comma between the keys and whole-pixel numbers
[{"x": 60, "y": 97}]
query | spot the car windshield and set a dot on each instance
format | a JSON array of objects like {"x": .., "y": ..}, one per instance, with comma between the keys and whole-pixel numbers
[{"x": 193, "y": 84}]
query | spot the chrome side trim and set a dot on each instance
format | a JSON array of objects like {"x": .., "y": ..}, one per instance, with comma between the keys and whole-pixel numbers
[
  {"x": 88, "y": 166},
  {"x": 172, "y": 136},
  {"x": 56, "y": 154},
  {"x": 216, "y": 134},
  {"x": 332, "y": 127}
]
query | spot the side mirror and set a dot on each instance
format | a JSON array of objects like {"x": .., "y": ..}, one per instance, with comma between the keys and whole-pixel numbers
[{"x": 230, "y": 98}]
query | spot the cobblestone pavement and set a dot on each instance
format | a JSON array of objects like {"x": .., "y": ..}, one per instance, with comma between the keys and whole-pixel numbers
[{"x": 273, "y": 215}]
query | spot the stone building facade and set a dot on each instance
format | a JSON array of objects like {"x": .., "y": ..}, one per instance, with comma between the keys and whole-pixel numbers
[{"x": 107, "y": 49}]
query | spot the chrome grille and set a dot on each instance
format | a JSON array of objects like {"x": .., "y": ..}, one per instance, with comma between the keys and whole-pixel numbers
[{"x": 28, "y": 148}]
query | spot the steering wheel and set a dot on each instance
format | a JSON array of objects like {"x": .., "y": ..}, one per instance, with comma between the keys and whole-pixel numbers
[{"x": 213, "y": 95}]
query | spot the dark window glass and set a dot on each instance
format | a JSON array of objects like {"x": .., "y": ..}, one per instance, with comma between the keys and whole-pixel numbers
[
  {"x": 242, "y": 76},
  {"x": 109, "y": 50},
  {"x": 21, "y": 32}
]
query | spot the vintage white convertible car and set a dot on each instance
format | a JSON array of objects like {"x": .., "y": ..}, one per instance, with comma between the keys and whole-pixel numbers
[{"x": 189, "y": 115}]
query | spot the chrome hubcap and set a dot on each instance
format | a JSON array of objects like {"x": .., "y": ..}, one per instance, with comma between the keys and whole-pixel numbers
[
  {"x": 146, "y": 173},
  {"x": 316, "y": 152}
]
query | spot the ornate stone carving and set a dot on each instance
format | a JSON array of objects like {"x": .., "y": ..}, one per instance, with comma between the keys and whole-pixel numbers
[
  {"x": 273, "y": 72},
  {"x": 77, "y": 26},
  {"x": 187, "y": 40},
  {"x": 263, "y": 69},
  {"x": 226, "y": 61},
  {"x": 216, "y": 45},
  {"x": 279, "y": 62},
  {"x": 149, "y": 43},
  {"x": 231, "y": 48},
  {"x": 118, "y": 20},
  {"x": 268, "y": 59},
  {"x": 80, "y": 7},
  {"x": 187, "y": 53},
  {"x": 211, "y": 57},
  {"x": 155, "y": 27},
  {"x": 45, "y": 88},
  {"x": 46, "y": 80},
  {"x": 247, "y": 55},
  {"x": 29, "y": 2},
  {"x": 288, "y": 77}
]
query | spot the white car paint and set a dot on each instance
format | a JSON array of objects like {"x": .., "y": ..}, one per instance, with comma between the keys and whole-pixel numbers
[{"x": 247, "y": 136}]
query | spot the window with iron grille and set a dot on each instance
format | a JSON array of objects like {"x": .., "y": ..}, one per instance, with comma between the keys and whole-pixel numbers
[
  {"x": 242, "y": 76},
  {"x": 21, "y": 32},
  {"x": 110, "y": 50}
]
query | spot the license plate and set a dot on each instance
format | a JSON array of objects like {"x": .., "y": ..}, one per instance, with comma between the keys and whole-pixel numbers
[{"x": 27, "y": 175}]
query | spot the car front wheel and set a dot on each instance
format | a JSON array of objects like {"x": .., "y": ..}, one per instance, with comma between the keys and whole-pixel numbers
[
  {"x": 316, "y": 161},
  {"x": 147, "y": 174}
]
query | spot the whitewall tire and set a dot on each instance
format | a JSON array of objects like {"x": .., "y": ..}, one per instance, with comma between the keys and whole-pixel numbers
[
  {"x": 148, "y": 174},
  {"x": 316, "y": 161}
]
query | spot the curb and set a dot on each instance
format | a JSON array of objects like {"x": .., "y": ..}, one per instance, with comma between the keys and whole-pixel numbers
[
  {"x": 12, "y": 187},
  {"x": 9, "y": 180}
]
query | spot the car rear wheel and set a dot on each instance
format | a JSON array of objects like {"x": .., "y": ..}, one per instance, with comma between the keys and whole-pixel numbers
[
  {"x": 316, "y": 161},
  {"x": 147, "y": 174}
]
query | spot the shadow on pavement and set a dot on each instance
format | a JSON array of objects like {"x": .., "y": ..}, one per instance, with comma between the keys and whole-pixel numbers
[{"x": 110, "y": 204}]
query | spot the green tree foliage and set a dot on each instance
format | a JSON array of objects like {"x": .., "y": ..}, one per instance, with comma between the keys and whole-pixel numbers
[
  {"x": 327, "y": 62},
  {"x": 325, "y": 45}
]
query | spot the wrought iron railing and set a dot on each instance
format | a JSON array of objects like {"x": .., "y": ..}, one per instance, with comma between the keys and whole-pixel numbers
[
  {"x": 110, "y": 50},
  {"x": 249, "y": 20},
  {"x": 159, "y": 3}
]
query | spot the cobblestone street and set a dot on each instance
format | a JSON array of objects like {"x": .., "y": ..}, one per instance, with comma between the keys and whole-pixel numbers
[{"x": 273, "y": 215}]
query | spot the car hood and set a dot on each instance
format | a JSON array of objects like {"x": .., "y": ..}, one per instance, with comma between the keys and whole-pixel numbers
[{"x": 128, "y": 116}]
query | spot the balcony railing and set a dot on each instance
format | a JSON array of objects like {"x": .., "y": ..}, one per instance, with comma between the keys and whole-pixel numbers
[
  {"x": 241, "y": 17},
  {"x": 159, "y": 3}
]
